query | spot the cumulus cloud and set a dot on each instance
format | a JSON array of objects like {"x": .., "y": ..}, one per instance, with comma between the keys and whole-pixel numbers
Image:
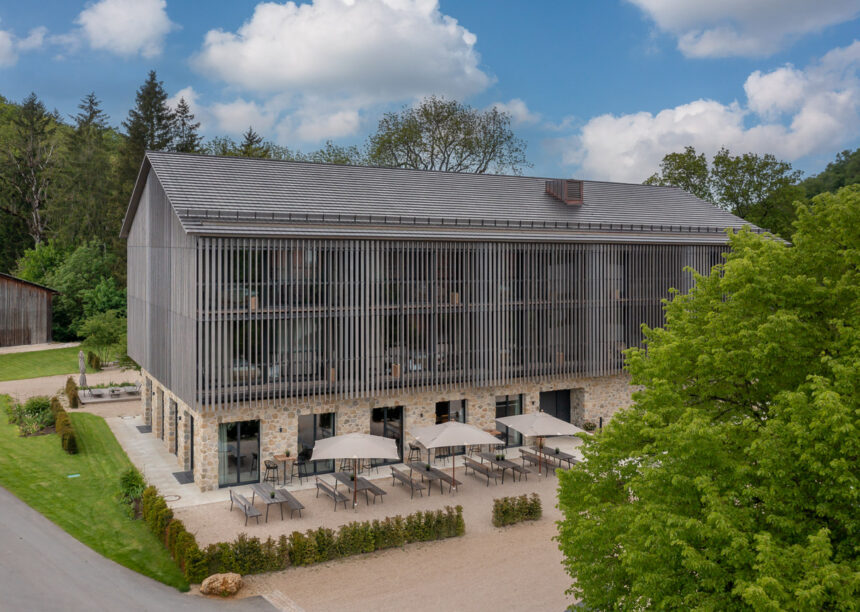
[
  {"x": 788, "y": 112},
  {"x": 351, "y": 55},
  {"x": 743, "y": 27},
  {"x": 126, "y": 27},
  {"x": 518, "y": 110},
  {"x": 10, "y": 45},
  {"x": 237, "y": 116}
]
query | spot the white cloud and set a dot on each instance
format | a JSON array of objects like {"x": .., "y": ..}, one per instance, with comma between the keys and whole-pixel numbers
[
  {"x": 10, "y": 45},
  {"x": 788, "y": 112},
  {"x": 126, "y": 27},
  {"x": 237, "y": 116},
  {"x": 188, "y": 94},
  {"x": 744, "y": 27},
  {"x": 323, "y": 65},
  {"x": 518, "y": 110}
]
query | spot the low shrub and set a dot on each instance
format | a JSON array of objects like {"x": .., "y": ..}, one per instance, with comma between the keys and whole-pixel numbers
[
  {"x": 33, "y": 416},
  {"x": 94, "y": 361},
  {"x": 250, "y": 555},
  {"x": 131, "y": 486},
  {"x": 510, "y": 510},
  {"x": 71, "y": 392},
  {"x": 63, "y": 425},
  {"x": 589, "y": 426}
]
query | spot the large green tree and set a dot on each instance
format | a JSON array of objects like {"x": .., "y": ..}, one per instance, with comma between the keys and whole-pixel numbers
[
  {"x": 28, "y": 166},
  {"x": 759, "y": 188},
  {"x": 732, "y": 482},
  {"x": 186, "y": 136},
  {"x": 844, "y": 170},
  {"x": 149, "y": 126},
  {"x": 440, "y": 134}
]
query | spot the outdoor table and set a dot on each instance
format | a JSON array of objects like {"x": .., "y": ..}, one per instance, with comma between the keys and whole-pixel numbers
[
  {"x": 431, "y": 475},
  {"x": 265, "y": 490},
  {"x": 502, "y": 464},
  {"x": 360, "y": 483},
  {"x": 560, "y": 456},
  {"x": 284, "y": 460}
]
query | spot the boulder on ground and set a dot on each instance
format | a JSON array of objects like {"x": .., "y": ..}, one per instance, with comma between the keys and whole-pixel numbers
[{"x": 221, "y": 584}]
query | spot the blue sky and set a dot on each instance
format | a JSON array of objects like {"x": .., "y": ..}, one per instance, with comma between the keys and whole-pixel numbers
[{"x": 597, "y": 89}]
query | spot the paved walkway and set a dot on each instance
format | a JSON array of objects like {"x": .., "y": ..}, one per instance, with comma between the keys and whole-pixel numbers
[
  {"x": 27, "y": 348},
  {"x": 43, "y": 568}
]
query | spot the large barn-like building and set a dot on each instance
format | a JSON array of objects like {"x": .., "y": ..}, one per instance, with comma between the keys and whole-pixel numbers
[
  {"x": 25, "y": 312},
  {"x": 272, "y": 303}
]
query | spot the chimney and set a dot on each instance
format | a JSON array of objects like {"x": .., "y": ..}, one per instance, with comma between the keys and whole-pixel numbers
[{"x": 568, "y": 191}]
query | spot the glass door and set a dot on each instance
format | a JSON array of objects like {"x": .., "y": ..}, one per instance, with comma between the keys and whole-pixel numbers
[
  {"x": 238, "y": 453},
  {"x": 509, "y": 405},
  {"x": 454, "y": 410},
  {"x": 313, "y": 427},
  {"x": 388, "y": 422}
]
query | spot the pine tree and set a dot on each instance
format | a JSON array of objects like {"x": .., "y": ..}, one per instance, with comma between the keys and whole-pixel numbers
[
  {"x": 149, "y": 127},
  {"x": 252, "y": 145},
  {"x": 88, "y": 207},
  {"x": 185, "y": 136},
  {"x": 28, "y": 166}
]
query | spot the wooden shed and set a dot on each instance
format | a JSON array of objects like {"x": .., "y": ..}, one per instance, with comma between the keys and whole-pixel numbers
[{"x": 25, "y": 312}]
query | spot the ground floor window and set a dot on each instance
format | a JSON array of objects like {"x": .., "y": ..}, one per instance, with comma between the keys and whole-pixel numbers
[
  {"x": 508, "y": 405},
  {"x": 453, "y": 410},
  {"x": 313, "y": 427},
  {"x": 388, "y": 422},
  {"x": 238, "y": 453}
]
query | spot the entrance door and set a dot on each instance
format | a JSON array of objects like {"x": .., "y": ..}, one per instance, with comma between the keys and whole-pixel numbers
[
  {"x": 556, "y": 403},
  {"x": 454, "y": 410},
  {"x": 313, "y": 427},
  {"x": 238, "y": 453},
  {"x": 388, "y": 422}
]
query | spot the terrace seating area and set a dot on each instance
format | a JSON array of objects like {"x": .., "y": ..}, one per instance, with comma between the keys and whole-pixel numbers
[{"x": 111, "y": 393}]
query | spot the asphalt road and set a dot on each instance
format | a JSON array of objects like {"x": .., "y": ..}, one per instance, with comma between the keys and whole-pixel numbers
[{"x": 42, "y": 568}]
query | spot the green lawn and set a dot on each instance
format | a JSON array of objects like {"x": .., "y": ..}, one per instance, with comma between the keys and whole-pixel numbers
[
  {"x": 14, "y": 366},
  {"x": 36, "y": 470}
]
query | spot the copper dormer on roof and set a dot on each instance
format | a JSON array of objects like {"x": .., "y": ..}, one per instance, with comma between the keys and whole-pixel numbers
[{"x": 568, "y": 191}]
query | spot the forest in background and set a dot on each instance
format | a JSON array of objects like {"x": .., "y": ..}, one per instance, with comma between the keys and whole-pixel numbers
[{"x": 65, "y": 182}]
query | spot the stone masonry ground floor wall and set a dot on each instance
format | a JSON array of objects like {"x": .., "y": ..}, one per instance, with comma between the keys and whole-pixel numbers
[{"x": 592, "y": 399}]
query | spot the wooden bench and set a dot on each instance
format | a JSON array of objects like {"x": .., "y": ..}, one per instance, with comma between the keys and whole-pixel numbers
[
  {"x": 292, "y": 503},
  {"x": 445, "y": 477},
  {"x": 521, "y": 470},
  {"x": 243, "y": 504},
  {"x": 404, "y": 479},
  {"x": 337, "y": 496},
  {"x": 481, "y": 468},
  {"x": 373, "y": 490},
  {"x": 534, "y": 459}
]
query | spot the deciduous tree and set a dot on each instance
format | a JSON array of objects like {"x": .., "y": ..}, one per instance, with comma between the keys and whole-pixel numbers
[
  {"x": 732, "y": 482},
  {"x": 440, "y": 134}
]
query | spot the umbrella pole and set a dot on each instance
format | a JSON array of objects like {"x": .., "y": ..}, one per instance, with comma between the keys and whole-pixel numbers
[{"x": 354, "y": 483}]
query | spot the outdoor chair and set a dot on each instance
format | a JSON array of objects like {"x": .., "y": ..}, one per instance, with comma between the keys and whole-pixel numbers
[
  {"x": 296, "y": 469},
  {"x": 368, "y": 465},
  {"x": 414, "y": 452},
  {"x": 271, "y": 471}
]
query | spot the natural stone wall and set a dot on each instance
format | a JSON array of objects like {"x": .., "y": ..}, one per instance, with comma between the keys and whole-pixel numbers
[
  {"x": 591, "y": 398},
  {"x": 147, "y": 401}
]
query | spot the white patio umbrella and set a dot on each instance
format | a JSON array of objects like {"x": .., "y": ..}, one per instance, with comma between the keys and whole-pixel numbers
[
  {"x": 540, "y": 425},
  {"x": 82, "y": 366},
  {"x": 452, "y": 433},
  {"x": 355, "y": 446}
]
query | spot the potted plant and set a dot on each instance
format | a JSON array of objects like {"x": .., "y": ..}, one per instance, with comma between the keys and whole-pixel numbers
[
  {"x": 272, "y": 494},
  {"x": 589, "y": 426},
  {"x": 427, "y": 466},
  {"x": 556, "y": 450},
  {"x": 352, "y": 476},
  {"x": 288, "y": 452}
]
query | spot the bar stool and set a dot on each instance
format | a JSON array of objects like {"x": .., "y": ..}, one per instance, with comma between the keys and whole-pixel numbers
[
  {"x": 368, "y": 465},
  {"x": 271, "y": 471},
  {"x": 296, "y": 469},
  {"x": 414, "y": 452}
]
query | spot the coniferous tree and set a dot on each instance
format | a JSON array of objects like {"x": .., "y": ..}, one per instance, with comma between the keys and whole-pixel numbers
[
  {"x": 149, "y": 127},
  {"x": 28, "y": 166},
  {"x": 186, "y": 139},
  {"x": 252, "y": 145},
  {"x": 88, "y": 207}
]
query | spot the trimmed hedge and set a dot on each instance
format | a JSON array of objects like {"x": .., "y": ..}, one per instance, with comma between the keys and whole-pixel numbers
[
  {"x": 63, "y": 425},
  {"x": 71, "y": 392},
  {"x": 250, "y": 555},
  {"x": 94, "y": 361},
  {"x": 510, "y": 510}
]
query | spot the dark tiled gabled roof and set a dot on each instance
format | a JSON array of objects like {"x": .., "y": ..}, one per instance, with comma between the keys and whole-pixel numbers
[{"x": 240, "y": 196}]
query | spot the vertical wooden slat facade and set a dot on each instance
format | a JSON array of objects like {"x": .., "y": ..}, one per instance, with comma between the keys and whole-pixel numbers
[
  {"x": 356, "y": 318},
  {"x": 25, "y": 312}
]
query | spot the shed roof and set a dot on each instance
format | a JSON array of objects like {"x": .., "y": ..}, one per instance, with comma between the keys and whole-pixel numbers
[
  {"x": 26, "y": 282},
  {"x": 241, "y": 196}
]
